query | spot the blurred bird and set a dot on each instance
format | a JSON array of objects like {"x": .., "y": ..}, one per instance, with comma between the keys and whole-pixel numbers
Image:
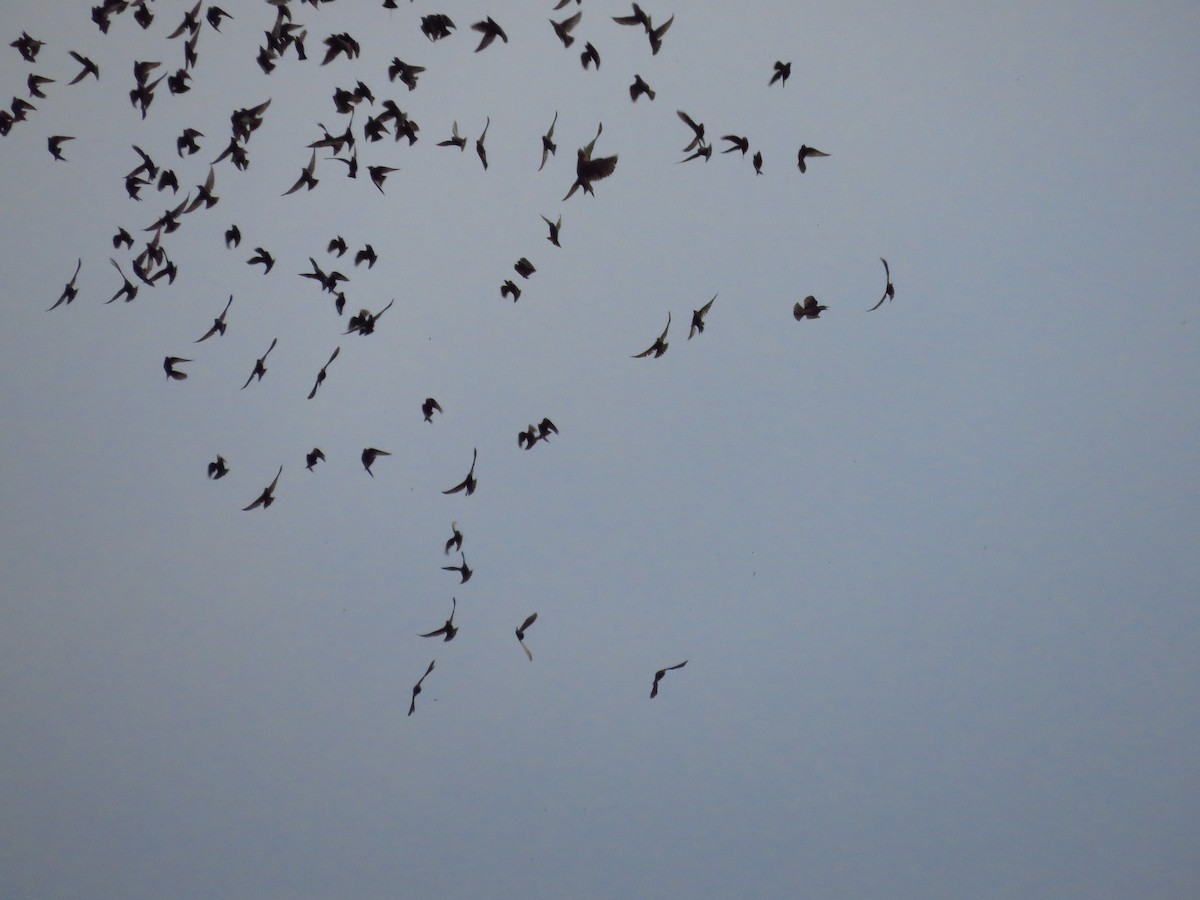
[
  {"x": 521, "y": 629},
  {"x": 417, "y": 688},
  {"x": 218, "y": 325},
  {"x": 233, "y": 236},
  {"x": 782, "y": 71},
  {"x": 217, "y": 469},
  {"x": 306, "y": 178},
  {"x": 70, "y": 291},
  {"x": 697, "y": 130},
  {"x": 758, "y": 161},
  {"x": 28, "y": 46},
  {"x": 169, "y": 364},
  {"x": 128, "y": 289},
  {"x": 468, "y": 484},
  {"x": 428, "y": 408},
  {"x": 367, "y": 255},
  {"x": 479, "y": 148},
  {"x": 563, "y": 28},
  {"x": 455, "y": 139},
  {"x": 260, "y": 365},
  {"x": 510, "y": 288},
  {"x": 337, "y": 245},
  {"x": 54, "y": 144},
  {"x": 406, "y": 73},
  {"x": 804, "y": 153},
  {"x": 588, "y": 169},
  {"x": 637, "y": 18},
  {"x": 267, "y": 497},
  {"x": 524, "y": 267},
  {"x": 322, "y": 374},
  {"x": 436, "y": 26},
  {"x": 263, "y": 257},
  {"x": 555, "y": 227},
  {"x": 464, "y": 571},
  {"x": 455, "y": 541},
  {"x": 89, "y": 68},
  {"x": 656, "y": 35},
  {"x": 379, "y": 175},
  {"x": 889, "y": 292},
  {"x": 313, "y": 457},
  {"x": 658, "y": 676},
  {"x": 638, "y": 88},
  {"x": 589, "y": 55},
  {"x": 659, "y": 347},
  {"x": 187, "y": 141},
  {"x": 34, "y": 82},
  {"x": 810, "y": 310},
  {"x": 738, "y": 143},
  {"x": 490, "y": 31},
  {"x": 448, "y": 630},
  {"x": 364, "y": 322},
  {"x": 369, "y": 455},
  {"x": 698, "y": 318}
]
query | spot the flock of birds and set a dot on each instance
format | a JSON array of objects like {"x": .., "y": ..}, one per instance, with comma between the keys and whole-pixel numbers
[{"x": 287, "y": 37}]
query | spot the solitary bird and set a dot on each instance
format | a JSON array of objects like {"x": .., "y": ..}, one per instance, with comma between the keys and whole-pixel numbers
[
  {"x": 490, "y": 31},
  {"x": 464, "y": 571},
  {"x": 428, "y": 408},
  {"x": 260, "y": 365},
  {"x": 698, "y": 318},
  {"x": 218, "y": 468},
  {"x": 267, "y": 497},
  {"x": 521, "y": 634},
  {"x": 70, "y": 291},
  {"x": 313, "y": 457},
  {"x": 369, "y": 455},
  {"x": 322, "y": 374},
  {"x": 468, "y": 484},
  {"x": 659, "y": 347},
  {"x": 169, "y": 364},
  {"x": 889, "y": 292},
  {"x": 417, "y": 688},
  {"x": 782, "y": 71},
  {"x": 548, "y": 145},
  {"x": 218, "y": 325},
  {"x": 658, "y": 676},
  {"x": 810, "y": 310},
  {"x": 804, "y": 153},
  {"x": 455, "y": 541},
  {"x": 448, "y": 630}
]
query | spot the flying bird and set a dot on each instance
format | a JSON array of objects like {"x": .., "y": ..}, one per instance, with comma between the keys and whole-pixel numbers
[
  {"x": 128, "y": 289},
  {"x": 364, "y": 322},
  {"x": 406, "y": 73},
  {"x": 455, "y": 541},
  {"x": 659, "y": 347},
  {"x": 548, "y": 145},
  {"x": 782, "y": 71},
  {"x": 638, "y": 88},
  {"x": 656, "y": 35},
  {"x": 563, "y": 28},
  {"x": 322, "y": 374},
  {"x": 758, "y": 161},
  {"x": 218, "y": 469},
  {"x": 70, "y": 291},
  {"x": 169, "y": 364},
  {"x": 465, "y": 572},
  {"x": 455, "y": 139},
  {"x": 521, "y": 634},
  {"x": 54, "y": 145},
  {"x": 379, "y": 175},
  {"x": 510, "y": 287},
  {"x": 448, "y": 630},
  {"x": 34, "y": 82},
  {"x": 889, "y": 292},
  {"x": 313, "y": 457},
  {"x": 638, "y": 17},
  {"x": 698, "y": 318},
  {"x": 366, "y": 254},
  {"x": 369, "y": 455},
  {"x": 262, "y": 256},
  {"x": 436, "y": 26},
  {"x": 490, "y": 31},
  {"x": 479, "y": 148},
  {"x": 589, "y": 169},
  {"x": 555, "y": 227},
  {"x": 524, "y": 267},
  {"x": 267, "y": 497},
  {"x": 697, "y": 130},
  {"x": 468, "y": 484},
  {"x": 428, "y": 408},
  {"x": 233, "y": 236},
  {"x": 736, "y": 143},
  {"x": 89, "y": 68},
  {"x": 218, "y": 325},
  {"x": 306, "y": 178},
  {"x": 260, "y": 365},
  {"x": 589, "y": 55},
  {"x": 417, "y": 687},
  {"x": 810, "y": 310},
  {"x": 658, "y": 676},
  {"x": 337, "y": 245},
  {"x": 804, "y": 153}
]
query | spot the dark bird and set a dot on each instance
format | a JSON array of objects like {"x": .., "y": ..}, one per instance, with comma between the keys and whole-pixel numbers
[
  {"x": 782, "y": 71},
  {"x": 658, "y": 676},
  {"x": 54, "y": 144},
  {"x": 736, "y": 143},
  {"x": 364, "y": 322},
  {"x": 187, "y": 141},
  {"x": 704, "y": 150},
  {"x": 804, "y": 153},
  {"x": 337, "y": 245},
  {"x": 809, "y": 310},
  {"x": 218, "y": 325},
  {"x": 169, "y": 364},
  {"x": 510, "y": 287},
  {"x": 428, "y": 408},
  {"x": 142, "y": 15},
  {"x": 128, "y": 289},
  {"x": 490, "y": 31},
  {"x": 889, "y": 292},
  {"x": 340, "y": 44},
  {"x": 526, "y": 439},
  {"x": 260, "y": 365},
  {"x": 637, "y": 18},
  {"x": 70, "y": 291},
  {"x": 758, "y": 162},
  {"x": 89, "y": 68},
  {"x": 455, "y": 540},
  {"x": 659, "y": 347},
  {"x": 214, "y": 15},
  {"x": 563, "y": 28},
  {"x": 588, "y": 169},
  {"x": 467, "y": 483},
  {"x": 122, "y": 237},
  {"x": 656, "y": 35},
  {"x": 233, "y": 236},
  {"x": 27, "y": 46},
  {"x": 34, "y": 82},
  {"x": 313, "y": 457},
  {"x": 546, "y": 428},
  {"x": 367, "y": 255},
  {"x": 262, "y": 256},
  {"x": 190, "y": 23},
  {"x": 379, "y": 175},
  {"x": 217, "y": 469},
  {"x": 455, "y": 139},
  {"x": 548, "y": 145},
  {"x": 267, "y": 497},
  {"x": 555, "y": 227},
  {"x": 697, "y": 130},
  {"x": 521, "y": 634},
  {"x": 524, "y": 267},
  {"x": 406, "y": 73},
  {"x": 479, "y": 148},
  {"x": 436, "y": 26},
  {"x": 177, "y": 83},
  {"x": 369, "y": 455},
  {"x": 204, "y": 193},
  {"x": 306, "y": 178},
  {"x": 589, "y": 55},
  {"x": 698, "y": 318},
  {"x": 417, "y": 687},
  {"x": 465, "y": 572},
  {"x": 448, "y": 630},
  {"x": 322, "y": 374},
  {"x": 638, "y": 88}
]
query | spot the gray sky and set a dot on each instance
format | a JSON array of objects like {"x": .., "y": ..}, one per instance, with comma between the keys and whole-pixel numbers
[{"x": 933, "y": 567}]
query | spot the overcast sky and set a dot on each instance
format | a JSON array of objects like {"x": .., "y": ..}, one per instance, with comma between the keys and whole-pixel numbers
[{"x": 934, "y": 567}]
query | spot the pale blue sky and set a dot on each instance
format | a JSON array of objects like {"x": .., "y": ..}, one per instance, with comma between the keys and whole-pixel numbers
[{"x": 933, "y": 567}]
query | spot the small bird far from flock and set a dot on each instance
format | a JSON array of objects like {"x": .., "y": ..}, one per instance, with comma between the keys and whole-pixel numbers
[
  {"x": 658, "y": 676},
  {"x": 810, "y": 309},
  {"x": 889, "y": 292},
  {"x": 521, "y": 629}
]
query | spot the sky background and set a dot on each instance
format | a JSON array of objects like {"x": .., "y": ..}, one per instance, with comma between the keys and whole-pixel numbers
[{"x": 933, "y": 567}]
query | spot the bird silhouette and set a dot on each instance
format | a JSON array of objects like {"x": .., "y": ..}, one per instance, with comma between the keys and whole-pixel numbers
[
  {"x": 737, "y": 143},
  {"x": 306, "y": 178},
  {"x": 555, "y": 227},
  {"x": 54, "y": 145},
  {"x": 405, "y": 72},
  {"x": 659, "y": 347},
  {"x": 428, "y": 408},
  {"x": 698, "y": 318},
  {"x": 267, "y": 497},
  {"x": 656, "y": 35},
  {"x": 218, "y": 468},
  {"x": 313, "y": 457},
  {"x": 416, "y": 689},
  {"x": 369, "y": 455},
  {"x": 233, "y": 236},
  {"x": 589, "y": 169},
  {"x": 366, "y": 254},
  {"x": 448, "y": 631},
  {"x": 524, "y": 267},
  {"x": 218, "y": 325},
  {"x": 455, "y": 540},
  {"x": 364, "y": 322},
  {"x": 563, "y": 29},
  {"x": 379, "y": 175},
  {"x": 322, "y": 374},
  {"x": 128, "y": 289},
  {"x": 490, "y": 31},
  {"x": 89, "y": 68},
  {"x": 758, "y": 163},
  {"x": 638, "y": 17},
  {"x": 697, "y": 130},
  {"x": 70, "y": 291},
  {"x": 589, "y": 55},
  {"x": 510, "y": 288},
  {"x": 464, "y": 571},
  {"x": 521, "y": 629},
  {"x": 889, "y": 292},
  {"x": 638, "y": 88},
  {"x": 658, "y": 676},
  {"x": 455, "y": 139},
  {"x": 436, "y": 26},
  {"x": 804, "y": 153},
  {"x": 810, "y": 310},
  {"x": 479, "y": 148},
  {"x": 260, "y": 366},
  {"x": 468, "y": 484},
  {"x": 263, "y": 257},
  {"x": 548, "y": 145},
  {"x": 782, "y": 71},
  {"x": 169, "y": 364},
  {"x": 337, "y": 245}
]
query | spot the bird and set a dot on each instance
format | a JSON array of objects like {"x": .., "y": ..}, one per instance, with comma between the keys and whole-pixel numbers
[
  {"x": 267, "y": 497},
  {"x": 321, "y": 375},
  {"x": 405, "y": 72},
  {"x": 416, "y": 689},
  {"x": 262, "y": 256},
  {"x": 428, "y": 408},
  {"x": 804, "y": 153},
  {"x": 70, "y": 291},
  {"x": 54, "y": 144},
  {"x": 526, "y": 439},
  {"x": 659, "y": 347},
  {"x": 736, "y": 142},
  {"x": 810, "y": 310},
  {"x": 524, "y": 267},
  {"x": 369, "y": 455},
  {"x": 436, "y": 26},
  {"x": 217, "y": 468},
  {"x": 465, "y": 572},
  {"x": 638, "y": 88},
  {"x": 313, "y": 457},
  {"x": 548, "y": 145},
  {"x": 28, "y": 46},
  {"x": 704, "y": 150},
  {"x": 490, "y": 31},
  {"x": 128, "y": 289},
  {"x": 656, "y": 35},
  {"x": 218, "y": 325},
  {"x": 364, "y": 322},
  {"x": 510, "y": 287},
  {"x": 479, "y": 148},
  {"x": 758, "y": 161},
  {"x": 214, "y": 15},
  {"x": 169, "y": 364},
  {"x": 306, "y": 178},
  {"x": 546, "y": 428},
  {"x": 589, "y": 169},
  {"x": 34, "y": 82},
  {"x": 638, "y": 17},
  {"x": 697, "y": 130},
  {"x": 379, "y": 175},
  {"x": 698, "y": 318},
  {"x": 658, "y": 676},
  {"x": 889, "y": 292},
  {"x": 448, "y": 630},
  {"x": 455, "y": 541},
  {"x": 337, "y": 245},
  {"x": 468, "y": 484},
  {"x": 89, "y": 68},
  {"x": 233, "y": 236},
  {"x": 521, "y": 633},
  {"x": 563, "y": 28},
  {"x": 260, "y": 365},
  {"x": 328, "y": 280},
  {"x": 366, "y": 254},
  {"x": 555, "y": 227},
  {"x": 782, "y": 71},
  {"x": 122, "y": 238},
  {"x": 589, "y": 55}
]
